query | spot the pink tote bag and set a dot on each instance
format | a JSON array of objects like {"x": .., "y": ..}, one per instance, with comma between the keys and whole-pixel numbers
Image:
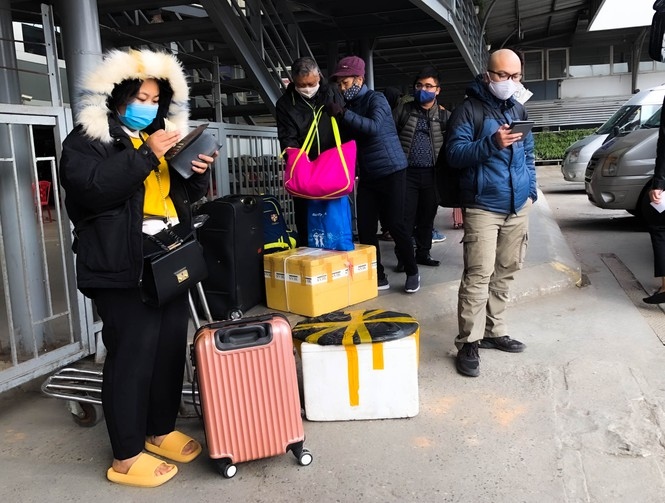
[{"x": 329, "y": 176}]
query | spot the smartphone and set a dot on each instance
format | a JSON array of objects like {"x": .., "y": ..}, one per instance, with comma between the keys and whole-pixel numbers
[{"x": 521, "y": 127}]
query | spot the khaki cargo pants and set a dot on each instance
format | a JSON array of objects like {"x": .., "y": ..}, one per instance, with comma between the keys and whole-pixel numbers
[{"x": 494, "y": 249}]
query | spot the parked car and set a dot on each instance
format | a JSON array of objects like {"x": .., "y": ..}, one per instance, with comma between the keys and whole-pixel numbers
[
  {"x": 629, "y": 117},
  {"x": 620, "y": 171}
]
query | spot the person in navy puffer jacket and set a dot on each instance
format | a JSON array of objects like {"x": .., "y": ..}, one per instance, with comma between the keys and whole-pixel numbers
[
  {"x": 498, "y": 187},
  {"x": 367, "y": 119}
]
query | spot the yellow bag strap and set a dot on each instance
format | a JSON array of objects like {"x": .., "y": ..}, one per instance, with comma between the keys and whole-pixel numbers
[
  {"x": 309, "y": 139},
  {"x": 338, "y": 142}
]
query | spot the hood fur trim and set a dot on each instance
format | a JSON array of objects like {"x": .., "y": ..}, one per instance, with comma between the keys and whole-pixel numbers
[{"x": 124, "y": 65}]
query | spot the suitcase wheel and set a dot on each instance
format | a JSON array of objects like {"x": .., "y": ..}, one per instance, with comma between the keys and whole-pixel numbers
[
  {"x": 305, "y": 458},
  {"x": 234, "y": 314},
  {"x": 226, "y": 468}
]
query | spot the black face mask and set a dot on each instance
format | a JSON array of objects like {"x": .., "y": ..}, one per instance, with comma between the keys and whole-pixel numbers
[{"x": 351, "y": 92}]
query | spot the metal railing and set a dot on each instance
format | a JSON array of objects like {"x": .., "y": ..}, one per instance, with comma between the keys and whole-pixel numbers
[{"x": 44, "y": 322}]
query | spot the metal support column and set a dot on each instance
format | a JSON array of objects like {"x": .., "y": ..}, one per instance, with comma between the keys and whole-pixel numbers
[
  {"x": 635, "y": 58},
  {"x": 81, "y": 42},
  {"x": 367, "y": 53}
]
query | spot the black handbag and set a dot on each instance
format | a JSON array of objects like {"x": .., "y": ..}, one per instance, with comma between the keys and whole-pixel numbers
[{"x": 173, "y": 263}]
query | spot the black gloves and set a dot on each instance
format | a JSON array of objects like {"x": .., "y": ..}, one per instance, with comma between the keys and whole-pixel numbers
[{"x": 335, "y": 110}]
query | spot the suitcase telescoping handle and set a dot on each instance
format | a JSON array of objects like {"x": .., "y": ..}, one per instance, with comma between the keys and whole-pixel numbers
[{"x": 245, "y": 336}]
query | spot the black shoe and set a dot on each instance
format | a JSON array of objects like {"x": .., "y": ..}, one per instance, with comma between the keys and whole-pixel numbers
[
  {"x": 427, "y": 260},
  {"x": 399, "y": 267},
  {"x": 504, "y": 343},
  {"x": 412, "y": 284},
  {"x": 656, "y": 298},
  {"x": 468, "y": 360},
  {"x": 382, "y": 283}
]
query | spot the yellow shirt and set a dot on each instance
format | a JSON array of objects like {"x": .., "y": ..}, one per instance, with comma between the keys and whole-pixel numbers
[{"x": 157, "y": 202}]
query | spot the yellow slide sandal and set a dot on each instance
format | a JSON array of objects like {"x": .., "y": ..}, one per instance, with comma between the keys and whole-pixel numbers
[
  {"x": 172, "y": 446},
  {"x": 142, "y": 473}
]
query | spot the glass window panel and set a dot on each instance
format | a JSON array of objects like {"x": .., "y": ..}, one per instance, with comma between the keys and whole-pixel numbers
[
  {"x": 589, "y": 61},
  {"x": 646, "y": 63},
  {"x": 557, "y": 61},
  {"x": 621, "y": 58},
  {"x": 533, "y": 65}
]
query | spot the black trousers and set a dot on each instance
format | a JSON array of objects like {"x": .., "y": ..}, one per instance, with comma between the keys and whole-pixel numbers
[
  {"x": 144, "y": 366},
  {"x": 300, "y": 217},
  {"x": 658, "y": 244},
  {"x": 420, "y": 207},
  {"x": 385, "y": 196},
  {"x": 656, "y": 224}
]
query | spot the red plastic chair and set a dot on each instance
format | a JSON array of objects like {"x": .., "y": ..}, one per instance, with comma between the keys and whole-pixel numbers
[{"x": 44, "y": 195}]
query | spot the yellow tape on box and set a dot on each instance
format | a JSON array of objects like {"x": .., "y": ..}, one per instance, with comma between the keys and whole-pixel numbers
[
  {"x": 313, "y": 281},
  {"x": 381, "y": 352}
]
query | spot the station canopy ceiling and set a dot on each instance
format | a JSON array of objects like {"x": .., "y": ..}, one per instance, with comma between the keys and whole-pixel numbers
[{"x": 404, "y": 37}]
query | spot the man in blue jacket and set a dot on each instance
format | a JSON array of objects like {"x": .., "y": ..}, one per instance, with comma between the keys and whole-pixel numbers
[
  {"x": 367, "y": 119},
  {"x": 498, "y": 187}
]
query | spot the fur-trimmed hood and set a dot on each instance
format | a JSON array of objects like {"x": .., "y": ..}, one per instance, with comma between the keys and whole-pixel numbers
[{"x": 125, "y": 65}]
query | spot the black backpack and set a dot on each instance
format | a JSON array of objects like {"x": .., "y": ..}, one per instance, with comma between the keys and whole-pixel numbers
[
  {"x": 447, "y": 178},
  {"x": 276, "y": 234}
]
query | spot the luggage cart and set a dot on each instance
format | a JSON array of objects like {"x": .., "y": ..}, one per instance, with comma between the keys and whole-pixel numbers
[{"x": 81, "y": 386}]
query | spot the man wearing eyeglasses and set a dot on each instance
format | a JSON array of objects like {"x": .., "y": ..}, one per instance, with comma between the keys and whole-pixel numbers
[
  {"x": 497, "y": 187},
  {"x": 421, "y": 126}
]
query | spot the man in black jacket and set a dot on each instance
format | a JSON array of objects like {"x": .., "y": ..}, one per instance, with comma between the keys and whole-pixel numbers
[
  {"x": 421, "y": 126},
  {"x": 296, "y": 109}
]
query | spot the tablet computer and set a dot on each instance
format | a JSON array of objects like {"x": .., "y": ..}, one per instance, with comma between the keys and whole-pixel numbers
[
  {"x": 521, "y": 126},
  {"x": 197, "y": 141}
]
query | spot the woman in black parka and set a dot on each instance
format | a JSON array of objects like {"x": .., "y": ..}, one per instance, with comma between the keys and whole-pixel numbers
[{"x": 133, "y": 108}]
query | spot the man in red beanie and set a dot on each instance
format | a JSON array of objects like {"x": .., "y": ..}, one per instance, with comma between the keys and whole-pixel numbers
[{"x": 367, "y": 119}]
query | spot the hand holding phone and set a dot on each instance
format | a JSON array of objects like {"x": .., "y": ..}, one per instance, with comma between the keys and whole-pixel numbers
[{"x": 521, "y": 127}]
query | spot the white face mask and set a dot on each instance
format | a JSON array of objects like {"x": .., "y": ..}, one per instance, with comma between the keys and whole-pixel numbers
[
  {"x": 504, "y": 89},
  {"x": 308, "y": 92}
]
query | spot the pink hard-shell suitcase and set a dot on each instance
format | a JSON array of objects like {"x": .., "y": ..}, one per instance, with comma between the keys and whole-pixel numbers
[{"x": 248, "y": 391}]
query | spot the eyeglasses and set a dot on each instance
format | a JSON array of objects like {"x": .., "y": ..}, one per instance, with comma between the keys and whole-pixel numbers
[
  {"x": 427, "y": 87},
  {"x": 506, "y": 76}
]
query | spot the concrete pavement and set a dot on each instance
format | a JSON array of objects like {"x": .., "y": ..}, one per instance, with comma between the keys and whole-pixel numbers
[{"x": 576, "y": 417}]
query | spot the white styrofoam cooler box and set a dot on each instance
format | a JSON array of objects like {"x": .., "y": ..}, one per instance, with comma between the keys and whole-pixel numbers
[{"x": 336, "y": 391}]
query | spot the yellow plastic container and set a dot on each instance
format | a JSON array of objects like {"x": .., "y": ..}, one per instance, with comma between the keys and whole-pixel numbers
[{"x": 313, "y": 281}]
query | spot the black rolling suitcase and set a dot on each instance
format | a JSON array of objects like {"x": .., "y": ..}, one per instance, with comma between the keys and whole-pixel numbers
[{"x": 232, "y": 241}]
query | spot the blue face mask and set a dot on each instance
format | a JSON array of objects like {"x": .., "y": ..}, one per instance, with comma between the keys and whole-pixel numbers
[
  {"x": 139, "y": 116},
  {"x": 422, "y": 96}
]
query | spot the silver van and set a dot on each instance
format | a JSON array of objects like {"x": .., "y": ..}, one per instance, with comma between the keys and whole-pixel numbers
[
  {"x": 630, "y": 116},
  {"x": 621, "y": 169}
]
